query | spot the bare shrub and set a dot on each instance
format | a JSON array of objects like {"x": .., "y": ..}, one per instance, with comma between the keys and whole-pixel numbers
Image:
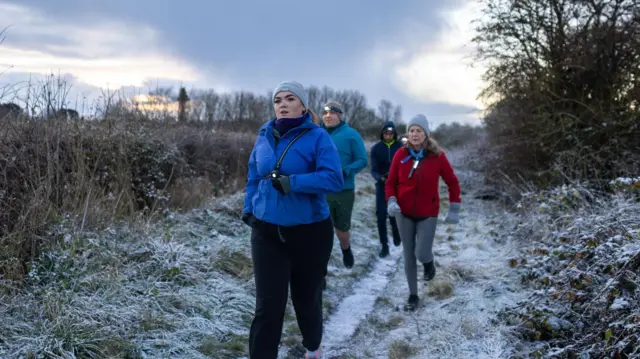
[
  {"x": 95, "y": 171},
  {"x": 455, "y": 135},
  {"x": 563, "y": 89}
]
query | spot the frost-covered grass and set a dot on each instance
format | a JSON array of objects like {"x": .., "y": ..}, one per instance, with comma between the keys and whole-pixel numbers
[
  {"x": 179, "y": 288},
  {"x": 457, "y": 316},
  {"x": 581, "y": 254}
]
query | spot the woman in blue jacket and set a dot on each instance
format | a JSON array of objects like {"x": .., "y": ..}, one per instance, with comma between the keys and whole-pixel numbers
[{"x": 292, "y": 233}]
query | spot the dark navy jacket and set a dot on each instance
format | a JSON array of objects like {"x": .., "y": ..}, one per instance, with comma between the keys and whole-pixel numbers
[{"x": 382, "y": 153}]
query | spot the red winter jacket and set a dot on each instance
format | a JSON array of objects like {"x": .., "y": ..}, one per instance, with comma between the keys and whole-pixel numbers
[{"x": 418, "y": 196}]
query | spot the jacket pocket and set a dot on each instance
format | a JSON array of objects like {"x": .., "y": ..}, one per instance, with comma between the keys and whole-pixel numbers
[{"x": 260, "y": 198}]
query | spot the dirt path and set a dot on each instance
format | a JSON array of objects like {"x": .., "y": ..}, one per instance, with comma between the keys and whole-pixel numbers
[{"x": 456, "y": 315}]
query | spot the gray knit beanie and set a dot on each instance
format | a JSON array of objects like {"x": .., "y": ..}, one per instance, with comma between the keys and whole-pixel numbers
[
  {"x": 294, "y": 88},
  {"x": 420, "y": 120},
  {"x": 337, "y": 105}
]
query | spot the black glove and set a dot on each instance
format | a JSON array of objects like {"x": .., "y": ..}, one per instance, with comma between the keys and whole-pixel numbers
[
  {"x": 383, "y": 178},
  {"x": 249, "y": 219},
  {"x": 281, "y": 184}
]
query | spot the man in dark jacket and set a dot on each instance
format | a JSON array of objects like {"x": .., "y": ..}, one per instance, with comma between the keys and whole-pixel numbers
[{"x": 381, "y": 155}]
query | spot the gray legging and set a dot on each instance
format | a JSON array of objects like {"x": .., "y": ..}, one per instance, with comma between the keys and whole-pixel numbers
[{"x": 417, "y": 242}]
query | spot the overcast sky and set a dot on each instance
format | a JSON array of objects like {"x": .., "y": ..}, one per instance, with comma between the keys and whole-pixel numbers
[{"x": 412, "y": 52}]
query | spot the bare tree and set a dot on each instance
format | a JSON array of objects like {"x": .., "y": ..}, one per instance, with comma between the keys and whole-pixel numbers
[
  {"x": 385, "y": 108},
  {"x": 183, "y": 100},
  {"x": 397, "y": 114},
  {"x": 162, "y": 91}
]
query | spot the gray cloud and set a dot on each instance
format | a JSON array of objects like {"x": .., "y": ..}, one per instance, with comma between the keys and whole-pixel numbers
[
  {"x": 277, "y": 38},
  {"x": 250, "y": 45}
]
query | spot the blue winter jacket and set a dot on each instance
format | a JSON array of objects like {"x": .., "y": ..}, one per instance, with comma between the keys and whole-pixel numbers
[
  {"x": 382, "y": 153},
  {"x": 313, "y": 166},
  {"x": 353, "y": 154}
]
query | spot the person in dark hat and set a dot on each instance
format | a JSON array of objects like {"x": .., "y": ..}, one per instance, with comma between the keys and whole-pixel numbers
[{"x": 381, "y": 156}]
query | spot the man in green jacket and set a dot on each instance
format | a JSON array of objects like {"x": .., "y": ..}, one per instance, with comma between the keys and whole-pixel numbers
[{"x": 353, "y": 156}]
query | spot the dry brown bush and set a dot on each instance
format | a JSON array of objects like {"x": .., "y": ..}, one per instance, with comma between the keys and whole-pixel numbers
[{"x": 95, "y": 171}]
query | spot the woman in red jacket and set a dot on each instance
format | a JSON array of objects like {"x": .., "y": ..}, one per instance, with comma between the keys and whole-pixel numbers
[{"x": 412, "y": 198}]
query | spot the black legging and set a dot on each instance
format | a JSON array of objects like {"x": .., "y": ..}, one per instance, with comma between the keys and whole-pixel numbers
[{"x": 299, "y": 255}]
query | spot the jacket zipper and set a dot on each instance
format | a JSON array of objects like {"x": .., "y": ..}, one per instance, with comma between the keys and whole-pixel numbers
[{"x": 415, "y": 198}]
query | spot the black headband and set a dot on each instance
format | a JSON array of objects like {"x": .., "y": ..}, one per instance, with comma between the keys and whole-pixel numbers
[{"x": 332, "y": 108}]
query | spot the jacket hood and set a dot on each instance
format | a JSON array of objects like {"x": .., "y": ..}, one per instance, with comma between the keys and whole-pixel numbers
[{"x": 392, "y": 126}]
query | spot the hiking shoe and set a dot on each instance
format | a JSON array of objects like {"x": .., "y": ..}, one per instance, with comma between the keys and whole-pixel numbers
[
  {"x": 429, "y": 271},
  {"x": 347, "y": 257},
  {"x": 396, "y": 240},
  {"x": 384, "y": 251},
  {"x": 412, "y": 303},
  {"x": 313, "y": 355}
]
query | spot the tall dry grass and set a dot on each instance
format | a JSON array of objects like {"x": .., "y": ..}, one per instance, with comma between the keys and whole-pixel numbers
[{"x": 92, "y": 171}]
